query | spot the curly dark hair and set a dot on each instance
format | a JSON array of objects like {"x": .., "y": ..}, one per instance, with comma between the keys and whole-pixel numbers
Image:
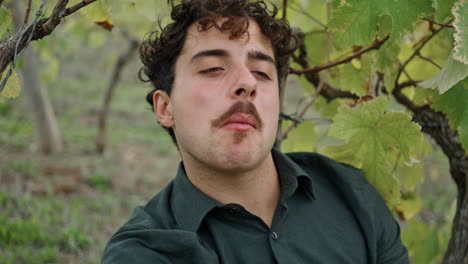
[{"x": 159, "y": 51}]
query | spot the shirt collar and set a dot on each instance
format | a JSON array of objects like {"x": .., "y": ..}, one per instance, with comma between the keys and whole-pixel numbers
[
  {"x": 190, "y": 205},
  {"x": 291, "y": 176}
]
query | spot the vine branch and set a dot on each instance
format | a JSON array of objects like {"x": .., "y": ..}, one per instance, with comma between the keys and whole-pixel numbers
[
  {"x": 285, "y": 5},
  {"x": 415, "y": 53},
  {"x": 439, "y": 24},
  {"x": 76, "y": 7},
  {"x": 44, "y": 27},
  {"x": 28, "y": 10},
  {"x": 428, "y": 60},
  {"x": 327, "y": 91},
  {"x": 377, "y": 44},
  {"x": 304, "y": 111}
]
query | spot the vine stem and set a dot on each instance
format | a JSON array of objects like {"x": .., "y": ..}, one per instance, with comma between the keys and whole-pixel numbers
[
  {"x": 304, "y": 110},
  {"x": 377, "y": 44}
]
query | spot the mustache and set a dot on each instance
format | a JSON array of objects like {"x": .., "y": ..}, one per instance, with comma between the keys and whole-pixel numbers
[{"x": 244, "y": 107}]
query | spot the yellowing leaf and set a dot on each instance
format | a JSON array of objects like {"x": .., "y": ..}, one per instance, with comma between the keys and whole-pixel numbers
[
  {"x": 13, "y": 87},
  {"x": 302, "y": 138},
  {"x": 373, "y": 139},
  {"x": 453, "y": 72},
  {"x": 410, "y": 205},
  {"x": 460, "y": 12},
  {"x": 96, "y": 12}
]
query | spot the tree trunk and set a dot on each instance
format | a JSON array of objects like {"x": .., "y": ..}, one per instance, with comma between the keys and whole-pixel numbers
[
  {"x": 45, "y": 123},
  {"x": 447, "y": 139},
  {"x": 104, "y": 113}
]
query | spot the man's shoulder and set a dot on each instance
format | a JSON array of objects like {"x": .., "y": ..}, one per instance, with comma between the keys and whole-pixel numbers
[
  {"x": 151, "y": 235},
  {"x": 155, "y": 214}
]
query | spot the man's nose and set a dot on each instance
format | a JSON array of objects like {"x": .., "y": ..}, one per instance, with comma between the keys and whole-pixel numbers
[{"x": 245, "y": 86}]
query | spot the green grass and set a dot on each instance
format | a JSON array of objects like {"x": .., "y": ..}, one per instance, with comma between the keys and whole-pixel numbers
[{"x": 63, "y": 208}]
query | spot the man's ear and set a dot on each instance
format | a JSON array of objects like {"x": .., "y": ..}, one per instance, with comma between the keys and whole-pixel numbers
[{"x": 163, "y": 108}]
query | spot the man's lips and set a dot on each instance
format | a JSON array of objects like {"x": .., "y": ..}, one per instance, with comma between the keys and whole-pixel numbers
[
  {"x": 241, "y": 122},
  {"x": 241, "y": 116}
]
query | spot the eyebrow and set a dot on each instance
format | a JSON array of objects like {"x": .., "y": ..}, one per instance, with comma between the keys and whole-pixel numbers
[
  {"x": 258, "y": 55},
  {"x": 254, "y": 54}
]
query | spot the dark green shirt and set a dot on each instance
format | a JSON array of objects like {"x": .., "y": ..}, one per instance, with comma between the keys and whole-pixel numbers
[{"x": 327, "y": 213}]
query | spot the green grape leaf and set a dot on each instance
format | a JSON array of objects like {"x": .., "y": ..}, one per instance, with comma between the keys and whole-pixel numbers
[
  {"x": 443, "y": 10},
  {"x": 374, "y": 138},
  {"x": 412, "y": 173},
  {"x": 348, "y": 78},
  {"x": 327, "y": 108},
  {"x": 454, "y": 103},
  {"x": 6, "y": 21},
  {"x": 453, "y": 72},
  {"x": 13, "y": 87},
  {"x": 301, "y": 138},
  {"x": 306, "y": 15},
  {"x": 354, "y": 22},
  {"x": 460, "y": 12}
]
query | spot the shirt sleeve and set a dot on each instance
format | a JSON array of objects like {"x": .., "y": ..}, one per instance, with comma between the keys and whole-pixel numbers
[
  {"x": 145, "y": 246},
  {"x": 140, "y": 241},
  {"x": 390, "y": 249}
]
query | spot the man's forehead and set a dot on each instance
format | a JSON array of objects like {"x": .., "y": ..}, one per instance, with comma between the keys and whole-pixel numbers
[{"x": 198, "y": 40}]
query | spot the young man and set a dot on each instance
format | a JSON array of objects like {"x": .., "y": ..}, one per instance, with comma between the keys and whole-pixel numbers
[{"x": 235, "y": 199}]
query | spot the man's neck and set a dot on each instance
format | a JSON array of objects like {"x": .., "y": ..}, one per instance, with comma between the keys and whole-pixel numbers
[{"x": 258, "y": 190}]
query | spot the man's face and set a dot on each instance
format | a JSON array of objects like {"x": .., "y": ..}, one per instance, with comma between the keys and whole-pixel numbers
[{"x": 224, "y": 105}]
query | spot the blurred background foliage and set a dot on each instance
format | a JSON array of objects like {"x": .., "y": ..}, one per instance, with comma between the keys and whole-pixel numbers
[{"x": 62, "y": 207}]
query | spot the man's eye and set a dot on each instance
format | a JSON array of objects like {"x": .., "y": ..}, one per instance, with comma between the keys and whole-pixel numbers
[
  {"x": 211, "y": 70},
  {"x": 262, "y": 74}
]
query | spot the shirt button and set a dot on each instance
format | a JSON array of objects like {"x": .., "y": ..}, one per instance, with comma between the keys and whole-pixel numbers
[
  {"x": 274, "y": 236},
  {"x": 232, "y": 211}
]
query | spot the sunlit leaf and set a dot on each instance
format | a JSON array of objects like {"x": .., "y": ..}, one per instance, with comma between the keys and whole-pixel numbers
[
  {"x": 13, "y": 86},
  {"x": 307, "y": 15},
  {"x": 460, "y": 12},
  {"x": 454, "y": 103},
  {"x": 97, "y": 12},
  {"x": 301, "y": 138},
  {"x": 374, "y": 137},
  {"x": 453, "y": 72}
]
